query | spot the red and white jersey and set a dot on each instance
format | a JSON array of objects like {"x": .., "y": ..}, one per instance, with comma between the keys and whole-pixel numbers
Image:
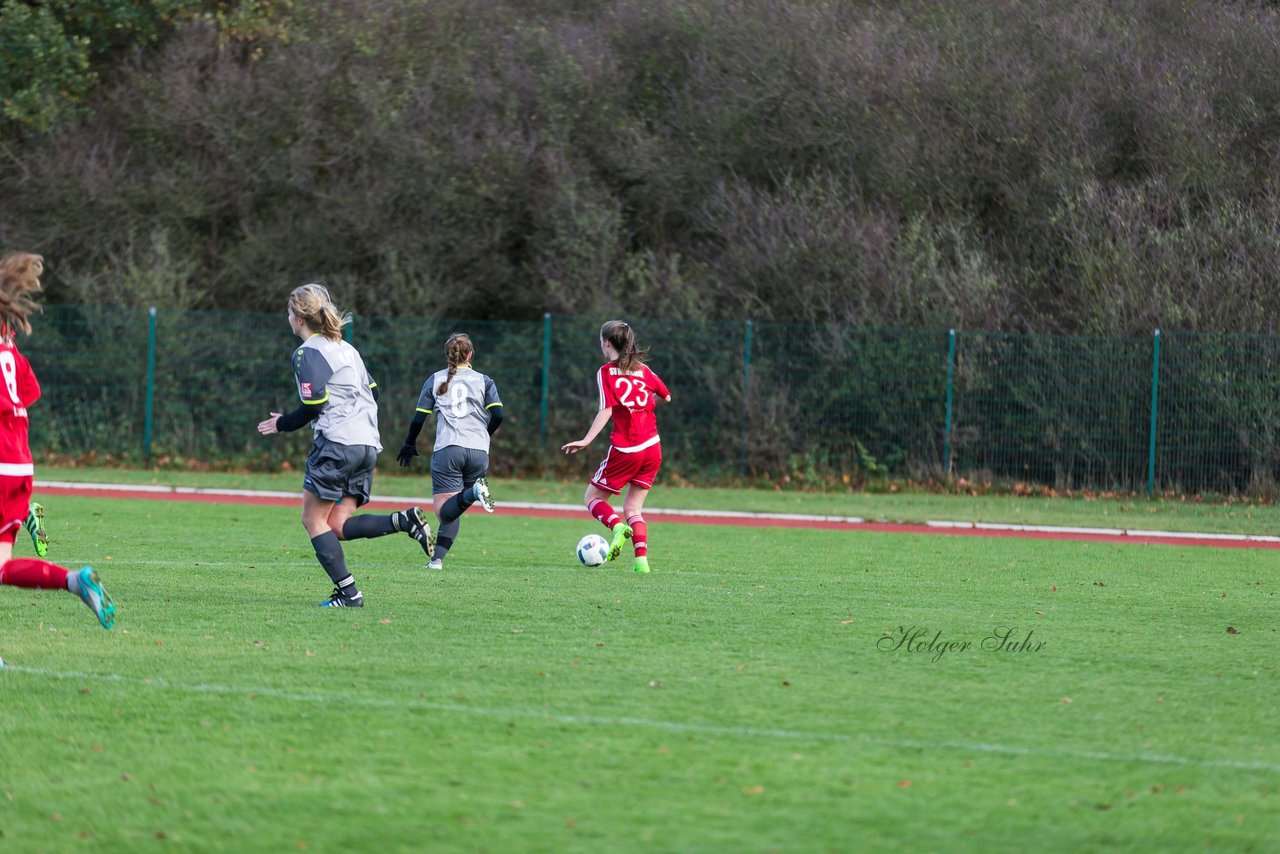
[
  {"x": 20, "y": 391},
  {"x": 632, "y": 397}
]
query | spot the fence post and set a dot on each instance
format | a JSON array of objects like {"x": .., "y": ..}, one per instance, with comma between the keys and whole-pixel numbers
[
  {"x": 746, "y": 398},
  {"x": 151, "y": 382},
  {"x": 546, "y": 379},
  {"x": 1155, "y": 394},
  {"x": 951, "y": 370}
]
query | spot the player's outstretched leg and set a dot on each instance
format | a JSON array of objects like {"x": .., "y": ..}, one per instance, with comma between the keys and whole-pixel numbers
[
  {"x": 481, "y": 491},
  {"x": 35, "y": 527},
  {"x": 416, "y": 526},
  {"x": 621, "y": 533},
  {"x": 92, "y": 594}
]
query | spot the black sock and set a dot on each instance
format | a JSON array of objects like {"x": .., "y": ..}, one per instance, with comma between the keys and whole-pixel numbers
[
  {"x": 349, "y": 588},
  {"x": 445, "y": 536},
  {"x": 457, "y": 505},
  {"x": 329, "y": 552},
  {"x": 368, "y": 525}
]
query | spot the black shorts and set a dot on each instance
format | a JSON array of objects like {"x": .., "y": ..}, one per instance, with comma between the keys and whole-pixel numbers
[
  {"x": 453, "y": 469},
  {"x": 335, "y": 471}
]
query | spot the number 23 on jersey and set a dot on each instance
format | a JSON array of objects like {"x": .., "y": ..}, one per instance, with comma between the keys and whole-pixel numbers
[{"x": 631, "y": 392}]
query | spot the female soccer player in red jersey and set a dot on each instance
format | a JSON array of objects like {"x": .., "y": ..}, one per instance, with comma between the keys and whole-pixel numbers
[
  {"x": 629, "y": 391},
  {"x": 19, "y": 279}
]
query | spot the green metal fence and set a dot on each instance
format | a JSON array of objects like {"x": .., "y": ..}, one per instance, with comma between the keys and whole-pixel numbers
[{"x": 1177, "y": 411}]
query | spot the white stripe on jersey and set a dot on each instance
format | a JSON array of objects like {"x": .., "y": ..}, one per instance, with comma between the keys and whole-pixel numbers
[
  {"x": 17, "y": 469},
  {"x": 647, "y": 443}
]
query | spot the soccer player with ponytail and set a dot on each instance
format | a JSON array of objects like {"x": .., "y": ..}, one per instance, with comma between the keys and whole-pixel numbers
[
  {"x": 340, "y": 397},
  {"x": 19, "y": 279},
  {"x": 468, "y": 411},
  {"x": 629, "y": 392}
]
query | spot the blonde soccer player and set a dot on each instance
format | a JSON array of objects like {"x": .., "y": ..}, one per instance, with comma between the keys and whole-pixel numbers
[{"x": 340, "y": 401}]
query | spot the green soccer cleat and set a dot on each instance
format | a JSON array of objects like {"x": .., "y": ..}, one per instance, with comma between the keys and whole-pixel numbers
[
  {"x": 641, "y": 564},
  {"x": 35, "y": 527},
  {"x": 96, "y": 598},
  {"x": 621, "y": 533}
]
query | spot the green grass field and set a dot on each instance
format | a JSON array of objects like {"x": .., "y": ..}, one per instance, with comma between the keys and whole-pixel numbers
[
  {"x": 1169, "y": 514},
  {"x": 749, "y": 695}
]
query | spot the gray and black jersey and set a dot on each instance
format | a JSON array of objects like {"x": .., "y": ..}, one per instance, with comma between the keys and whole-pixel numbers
[
  {"x": 462, "y": 412},
  {"x": 332, "y": 375}
]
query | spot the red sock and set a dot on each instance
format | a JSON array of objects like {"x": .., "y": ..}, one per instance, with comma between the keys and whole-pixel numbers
[
  {"x": 30, "y": 572},
  {"x": 639, "y": 535},
  {"x": 602, "y": 511}
]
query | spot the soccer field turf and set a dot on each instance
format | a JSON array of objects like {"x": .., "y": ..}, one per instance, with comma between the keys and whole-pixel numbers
[{"x": 763, "y": 689}]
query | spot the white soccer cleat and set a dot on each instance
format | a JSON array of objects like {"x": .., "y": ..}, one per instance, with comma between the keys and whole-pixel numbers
[{"x": 481, "y": 489}]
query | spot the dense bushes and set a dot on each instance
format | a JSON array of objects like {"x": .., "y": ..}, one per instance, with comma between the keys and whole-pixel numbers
[{"x": 1099, "y": 167}]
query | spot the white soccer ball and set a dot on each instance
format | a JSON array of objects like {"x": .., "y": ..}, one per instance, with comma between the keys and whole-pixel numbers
[{"x": 593, "y": 550}]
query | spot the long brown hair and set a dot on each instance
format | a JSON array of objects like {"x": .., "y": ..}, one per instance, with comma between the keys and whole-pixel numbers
[
  {"x": 311, "y": 304},
  {"x": 458, "y": 350},
  {"x": 19, "y": 279},
  {"x": 620, "y": 335}
]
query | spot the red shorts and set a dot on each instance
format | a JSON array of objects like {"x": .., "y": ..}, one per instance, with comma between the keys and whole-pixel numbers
[
  {"x": 15, "y": 504},
  {"x": 618, "y": 469}
]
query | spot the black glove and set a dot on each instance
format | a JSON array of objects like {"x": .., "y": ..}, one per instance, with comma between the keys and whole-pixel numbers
[{"x": 407, "y": 452}]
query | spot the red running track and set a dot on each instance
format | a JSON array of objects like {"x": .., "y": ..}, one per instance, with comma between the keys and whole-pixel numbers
[{"x": 761, "y": 521}]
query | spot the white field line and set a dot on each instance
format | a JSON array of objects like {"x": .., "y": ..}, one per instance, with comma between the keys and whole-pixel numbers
[
  {"x": 1118, "y": 533},
  {"x": 757, "y": 733},
  {"x": 1106, "y": 532}
]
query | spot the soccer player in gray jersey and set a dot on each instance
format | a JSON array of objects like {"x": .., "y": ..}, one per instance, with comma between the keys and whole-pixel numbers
[
  {"x": 468, "y": 411},
  {"x": 337, "y": 394}
]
